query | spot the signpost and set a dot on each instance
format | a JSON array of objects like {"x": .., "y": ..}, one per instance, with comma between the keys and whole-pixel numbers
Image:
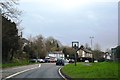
[{"x": 75, "y": 45}]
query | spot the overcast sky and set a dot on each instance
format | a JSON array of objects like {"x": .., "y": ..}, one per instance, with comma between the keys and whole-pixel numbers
[{"x": 72, "y": 20}]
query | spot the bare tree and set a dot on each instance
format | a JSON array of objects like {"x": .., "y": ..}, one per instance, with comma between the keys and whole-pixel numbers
[
  {"x": 86, "y": 45},
  {"x": 40, "y": 47},
  {"x": 97, "y": 47},
  {"x": 97, "y": 53},
  {"x": 108, "y": 50},
  {"x": 9, "y": 9},
  {"x": 53, "y": 44}
]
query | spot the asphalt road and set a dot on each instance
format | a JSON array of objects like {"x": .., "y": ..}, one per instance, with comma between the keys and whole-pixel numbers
[
  {"x": 46, "y": 71},
  {"x": 9, "y": 71}
]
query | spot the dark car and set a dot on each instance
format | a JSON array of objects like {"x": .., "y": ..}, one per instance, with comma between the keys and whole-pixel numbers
[
  {"x": 47, "y": 60},
  {"x": 33, "y": 60},
  {"x": 60, "y": 62}
]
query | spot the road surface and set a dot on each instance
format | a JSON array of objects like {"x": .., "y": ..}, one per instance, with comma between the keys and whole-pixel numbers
[
  {"x": 9, "y": 71},
  {"x": 46, "y": 71}
]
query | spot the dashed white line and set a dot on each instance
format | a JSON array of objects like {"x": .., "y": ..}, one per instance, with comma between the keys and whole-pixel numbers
[
  {"x": 22, "y": 72},
  {"x": 39, "y": 65}
]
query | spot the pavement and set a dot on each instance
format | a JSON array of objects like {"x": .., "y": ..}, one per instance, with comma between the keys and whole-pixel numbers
[{"x": 37, "y": 71}]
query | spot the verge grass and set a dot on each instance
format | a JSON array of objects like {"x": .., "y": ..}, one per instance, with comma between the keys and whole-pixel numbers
[
  {"x": 92, "y": 70},
  {"x": 18, "y": 63}
]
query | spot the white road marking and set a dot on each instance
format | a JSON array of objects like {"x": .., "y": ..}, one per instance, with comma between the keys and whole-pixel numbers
[
  {"x": 61, "y": 74},
  {"x": 21, "y": 72},
  {"x": 39, "y": 65}
]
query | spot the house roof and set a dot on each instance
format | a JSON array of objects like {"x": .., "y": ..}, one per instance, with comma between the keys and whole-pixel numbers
[
  {"x": 25, "y": 40},
  {"x": 56, "y": 52},
  {"x": 84, "y": 49}
]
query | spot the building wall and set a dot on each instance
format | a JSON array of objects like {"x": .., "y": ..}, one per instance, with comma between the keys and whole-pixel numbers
[
  {"x": 82, "y": 53},
  {"x": 56, "y": 55}
]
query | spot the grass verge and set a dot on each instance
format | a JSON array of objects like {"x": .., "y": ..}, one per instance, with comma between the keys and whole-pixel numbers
[
  {"x": 92, "y": 70},
  {"x": 14, "y": 64}
]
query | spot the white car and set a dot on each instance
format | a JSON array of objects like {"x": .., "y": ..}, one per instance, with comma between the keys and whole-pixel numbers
[
  {"x": 96, "y": 61},
  {"x": 86, "y": 61},
  {"x": 66, "y": 60},
  {"x": 41, "y": 60}
]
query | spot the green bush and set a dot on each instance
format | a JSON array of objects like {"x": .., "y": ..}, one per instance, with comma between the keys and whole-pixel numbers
[{"x": 16, "y": 62}]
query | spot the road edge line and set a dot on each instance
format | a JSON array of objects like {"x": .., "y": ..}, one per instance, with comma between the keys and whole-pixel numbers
[
  {"x": 59, "y": 71},
  {"x": 17, "y": 73}
]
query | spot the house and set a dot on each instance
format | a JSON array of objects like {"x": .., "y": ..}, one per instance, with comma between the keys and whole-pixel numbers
[
  {"x": 115, "y": 53},
  {"x": 55, "y": 54},
  {"x": 108, "y": 56},
  {"x": 84, "y": 54},
  {"x": 24, "y": 42}
]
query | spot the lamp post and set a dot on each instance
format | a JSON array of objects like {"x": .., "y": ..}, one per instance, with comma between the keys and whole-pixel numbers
[
  {"x": 75, "y": 45},
  {"x": 91, "y": 48}
]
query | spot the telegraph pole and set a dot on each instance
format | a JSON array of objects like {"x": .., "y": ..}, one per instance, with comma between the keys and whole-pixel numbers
[{"x": 91, "y": 37}]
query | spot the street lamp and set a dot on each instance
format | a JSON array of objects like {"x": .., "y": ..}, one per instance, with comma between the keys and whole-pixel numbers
[
  {"x": 91, "y": 37},
  {"x": 75, "y": 45}
]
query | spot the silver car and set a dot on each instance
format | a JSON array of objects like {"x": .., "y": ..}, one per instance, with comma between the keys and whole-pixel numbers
[{"x": 41, "y": 60}]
